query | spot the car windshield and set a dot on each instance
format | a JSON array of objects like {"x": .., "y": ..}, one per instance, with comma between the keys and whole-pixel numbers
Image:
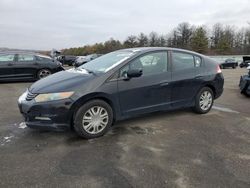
[{"x": 108, "y": 61}]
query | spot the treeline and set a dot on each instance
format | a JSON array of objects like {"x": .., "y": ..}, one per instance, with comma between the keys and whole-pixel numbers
[{"x": 218, "y": 40}]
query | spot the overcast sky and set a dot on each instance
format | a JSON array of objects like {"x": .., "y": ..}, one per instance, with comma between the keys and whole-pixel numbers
[{"x": 47, "y": 24}]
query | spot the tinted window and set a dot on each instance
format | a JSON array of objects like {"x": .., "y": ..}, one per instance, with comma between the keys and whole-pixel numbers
[
  {"x": 197, "y": 61},
  {"x": 24, "y": 57},
  {"x": 7, "y": 57},
  {"x": 152, "y": 63},
  {"x": 182, "y": 61}
]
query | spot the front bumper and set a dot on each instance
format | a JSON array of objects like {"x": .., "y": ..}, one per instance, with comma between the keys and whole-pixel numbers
[{"x": 53, "y": 115}]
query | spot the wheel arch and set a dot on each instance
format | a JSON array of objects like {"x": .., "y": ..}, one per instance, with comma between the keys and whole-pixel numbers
[
  {"x": 211, "y": 87},
  {"x": 93, "y": 96}
]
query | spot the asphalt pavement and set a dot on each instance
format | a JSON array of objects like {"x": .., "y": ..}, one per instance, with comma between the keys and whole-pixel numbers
[{"x": 166, "y": 149}]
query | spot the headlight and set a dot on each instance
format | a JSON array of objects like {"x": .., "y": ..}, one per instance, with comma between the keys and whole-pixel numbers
[
  {"x": 53, "y": 96},
  {"x": 23, "y": 96}
]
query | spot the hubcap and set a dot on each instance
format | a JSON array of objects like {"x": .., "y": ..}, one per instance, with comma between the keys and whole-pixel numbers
[
  {"x": 44, "y": 73},
  {"x": 95, "y": 120},
  {"x": 206, "y": 100}
]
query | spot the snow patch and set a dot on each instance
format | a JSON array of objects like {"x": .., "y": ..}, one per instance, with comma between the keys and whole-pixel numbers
[
  {"x": 6, "y": 139},
  {"x": 22, "y": 125}
]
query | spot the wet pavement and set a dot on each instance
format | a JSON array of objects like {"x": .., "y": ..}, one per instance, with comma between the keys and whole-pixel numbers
[{"x": 165, "y": 149}]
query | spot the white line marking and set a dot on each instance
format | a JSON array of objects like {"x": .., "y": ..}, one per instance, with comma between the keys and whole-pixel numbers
[{"x": 225, "y": 109}]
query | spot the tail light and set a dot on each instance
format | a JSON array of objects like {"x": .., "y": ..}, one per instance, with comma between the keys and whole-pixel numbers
[{"x": 218, "y": 70}]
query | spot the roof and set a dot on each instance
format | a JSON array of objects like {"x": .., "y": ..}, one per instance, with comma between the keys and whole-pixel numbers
[
  {"x": 18, "y": 52},
  {"x": 148, "y": 49}
]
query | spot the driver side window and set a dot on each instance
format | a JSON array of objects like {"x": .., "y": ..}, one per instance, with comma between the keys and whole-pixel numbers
[{"x": 150, "y": 64}]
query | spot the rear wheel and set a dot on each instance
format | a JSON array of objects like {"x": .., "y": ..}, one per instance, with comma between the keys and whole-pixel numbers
[
  {"x": 93, "y": 119},
  {"x": 204, "y": 101},
  {"x": 43, "y": 73}
]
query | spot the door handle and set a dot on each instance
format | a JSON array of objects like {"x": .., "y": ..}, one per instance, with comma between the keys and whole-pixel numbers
[{"x": 10, "y": 64}]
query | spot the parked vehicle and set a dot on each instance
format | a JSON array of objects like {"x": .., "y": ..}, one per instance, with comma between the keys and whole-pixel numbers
[
  {"x": 67, "y": 59},
  {"x": 84, "y": 59},
  {"x": 245, "y": 83},
  {"x": 119, "y": 85},
  {"x": 245, "y": 62},
  {"x": 80, "y": 59},
  {"x": 229, "y": 63},
  {"x": 26, "y": 66}
]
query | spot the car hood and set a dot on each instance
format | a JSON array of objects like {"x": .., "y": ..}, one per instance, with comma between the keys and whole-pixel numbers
[{"x": 62, "y": 81}]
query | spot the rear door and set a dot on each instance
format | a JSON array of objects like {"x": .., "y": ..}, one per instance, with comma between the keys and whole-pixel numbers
[
  {"x": 26, "y": 66},
  {"x": 6, "y": 66},
  {"x": 186, "y": 77}
]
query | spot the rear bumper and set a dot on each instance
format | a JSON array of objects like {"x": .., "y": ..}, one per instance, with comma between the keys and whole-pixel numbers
[
  {"x": 218, "y": 93},
  {"x": 54, "y": 115},
  {"x": 218, "y": 84}
]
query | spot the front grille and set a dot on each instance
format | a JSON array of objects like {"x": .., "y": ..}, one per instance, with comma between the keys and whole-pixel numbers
[{"x": 30, "y": 96}]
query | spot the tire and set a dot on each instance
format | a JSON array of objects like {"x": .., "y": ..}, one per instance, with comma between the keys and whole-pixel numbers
[
  {"x": 234, "y": 67},
  {"x": 94, "y": 125},
  {"x": 198, "y": 108},
  {"x": 43, "y": 73}
]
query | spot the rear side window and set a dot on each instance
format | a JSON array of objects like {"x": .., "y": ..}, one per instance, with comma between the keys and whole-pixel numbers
[
  {"x": 24, "y": 57},
  {"x": 7, "y": 57},
  {"x": 182, "y": 61}
]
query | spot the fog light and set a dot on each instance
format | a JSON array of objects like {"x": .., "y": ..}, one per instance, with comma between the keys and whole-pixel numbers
[{"x": 43, "y": 118}]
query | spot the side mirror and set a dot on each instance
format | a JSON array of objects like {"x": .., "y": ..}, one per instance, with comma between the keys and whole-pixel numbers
[{"x": 133, "y": 73}]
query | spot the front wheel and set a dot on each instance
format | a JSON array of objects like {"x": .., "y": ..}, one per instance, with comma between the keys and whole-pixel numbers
[
  {"x": 93, "y": 119},
  {"x": 204, "y": 101}
]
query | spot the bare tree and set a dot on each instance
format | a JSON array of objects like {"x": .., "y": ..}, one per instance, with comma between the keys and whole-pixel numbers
[
  {"x": 142, "y": 40},
  {"x": 130, "y": 42}
]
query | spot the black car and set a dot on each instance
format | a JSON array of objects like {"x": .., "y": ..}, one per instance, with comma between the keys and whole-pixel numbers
[
  {"x": 82, "y": 60},
  {"x": 245, "y": 83},
  {"x": 119, "y": 85},
  {"x": 245, "y": 62},
  {"x": 229, "y": 63},
  {"x": 26, "y": 66}
]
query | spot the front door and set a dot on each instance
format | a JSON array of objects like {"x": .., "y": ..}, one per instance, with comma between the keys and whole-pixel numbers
[{"x": 149, "y": 92}]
